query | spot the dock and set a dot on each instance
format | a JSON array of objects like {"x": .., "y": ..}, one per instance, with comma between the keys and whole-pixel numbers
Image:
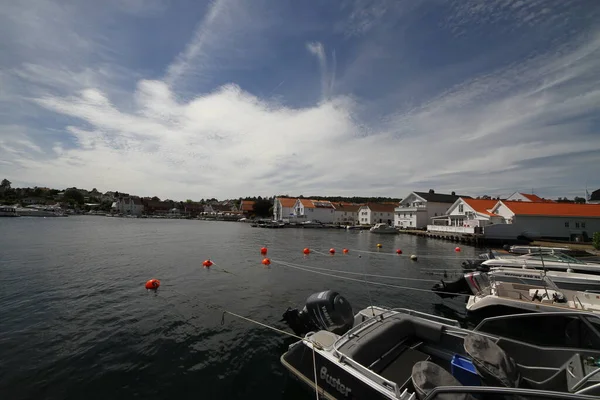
[{"x": 473, "y": 239}]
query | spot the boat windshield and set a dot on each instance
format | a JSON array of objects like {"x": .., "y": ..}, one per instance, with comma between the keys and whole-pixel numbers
[
  {"x": 566, "y": 330},
  {"x": 556, "y": 257}
]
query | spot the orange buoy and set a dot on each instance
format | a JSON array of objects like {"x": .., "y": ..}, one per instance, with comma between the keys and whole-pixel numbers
[
  {"x": 153, "y": 284},
  {"x": 263, "y": 251},
  {"x": 457, "y": 249},
  {"x": 207, "y": 263},
  {"x": 306, "y": 251},
  {"x": 266, "y": 261},
  {"x": 345, "y": 251},
  {"x": 398, "y": 251},
  {"x": 332, "y": 251}
]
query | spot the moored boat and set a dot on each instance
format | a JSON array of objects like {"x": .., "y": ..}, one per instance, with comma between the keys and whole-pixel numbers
[
  {"x": 383, "y": 228},
  {"x": 382, "y": 353}
]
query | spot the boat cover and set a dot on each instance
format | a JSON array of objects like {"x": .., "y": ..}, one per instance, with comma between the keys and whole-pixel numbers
[
  {"x": 427, "y": 375},
  {"x": 494, "y": 366}
]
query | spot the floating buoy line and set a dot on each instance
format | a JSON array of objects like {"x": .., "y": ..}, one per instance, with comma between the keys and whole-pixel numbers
[{"x": 209, "y": 264}]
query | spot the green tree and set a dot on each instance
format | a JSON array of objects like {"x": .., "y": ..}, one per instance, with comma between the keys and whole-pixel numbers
[
  {"x": 5, "y": 184},
  {"x": 579, "y": 200},
  {"x": 596, "y": 241},
  {"x": 262, "y": 208},
  {"x": 74, "y": 195},
  {"x": 154, "y": 198},
  {"x": 189, "y": 201}
]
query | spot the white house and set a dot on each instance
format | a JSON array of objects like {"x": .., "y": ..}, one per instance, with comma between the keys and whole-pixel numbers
[
  {"x": 416, "y": 210},
  {"x": 346, "y": 214},
  {"x": 314, "y": 210},
  {"x": 128, "y": 206},
  {"x": 561, "y": 221},
  {"x": 465, "y": 215},
  {"x": 283, "y": 208},
  {"x": 373, "y": 213}
]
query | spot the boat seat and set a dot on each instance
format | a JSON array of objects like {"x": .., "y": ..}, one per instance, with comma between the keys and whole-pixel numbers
[
  {"x": 427, "y": 376},
  {"x": 375, "y": 341}
]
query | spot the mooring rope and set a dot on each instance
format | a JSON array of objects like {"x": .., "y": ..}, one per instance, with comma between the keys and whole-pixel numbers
[{"x": 285, "y": 264}]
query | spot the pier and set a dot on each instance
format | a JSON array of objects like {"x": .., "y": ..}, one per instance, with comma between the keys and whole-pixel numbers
[{"x": 473, "y": 239}]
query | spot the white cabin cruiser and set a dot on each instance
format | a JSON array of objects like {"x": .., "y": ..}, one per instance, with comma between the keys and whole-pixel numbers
[
  {"x": 383, "y": 228},
  {"x": 553, "y": 261},
  {"x": 537, "y": 249},
  {"x": 401, "y": 354},
  {"x": 525, "y": 276}
]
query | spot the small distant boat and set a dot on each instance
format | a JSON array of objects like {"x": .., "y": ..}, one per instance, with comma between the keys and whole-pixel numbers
[
  {"x": 383, "y": 228},
  {"x": 8, "y": 212},
  {"x": 312, "y": 224}
]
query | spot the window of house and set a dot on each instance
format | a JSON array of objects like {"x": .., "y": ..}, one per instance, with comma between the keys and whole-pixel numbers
[
  {"x": 461, "y": 208},
  {"x": 576, "y": 224},
  {"x": 583, "y": 224},
  {"x": 410, "y": 223},
  {"x": 436, "y": 214},
  {"x": 566, "y": 224}
]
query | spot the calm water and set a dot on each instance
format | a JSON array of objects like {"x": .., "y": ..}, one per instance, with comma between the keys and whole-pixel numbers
[{"x": 76, "y": 321}]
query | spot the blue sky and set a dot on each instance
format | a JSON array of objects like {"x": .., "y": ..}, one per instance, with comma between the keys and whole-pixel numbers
[{"x": 191, "y": 99}]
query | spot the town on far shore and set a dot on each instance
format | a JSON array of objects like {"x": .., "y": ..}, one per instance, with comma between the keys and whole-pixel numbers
[{"x": 519, "y": 216}]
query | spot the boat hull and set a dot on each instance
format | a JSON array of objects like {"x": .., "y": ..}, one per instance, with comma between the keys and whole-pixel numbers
[{"x": 333, "y": 382}]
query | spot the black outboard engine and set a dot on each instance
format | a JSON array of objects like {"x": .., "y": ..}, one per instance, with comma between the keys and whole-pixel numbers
[{"x": 326, "y": 310}]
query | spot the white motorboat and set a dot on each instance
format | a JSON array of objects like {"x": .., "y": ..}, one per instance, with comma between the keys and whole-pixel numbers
[
  {"x": 526, "y": 276},
  {"x": 536, "y": 249},
  {"x": 312, "y": 224},
  {"x": 494, "y": 295},
  {"x": 553, "y": 261},
  {"x": 401, "y": 354},
  {"x": 383, "y": 228},
  {"x": 40, "y": 212}
]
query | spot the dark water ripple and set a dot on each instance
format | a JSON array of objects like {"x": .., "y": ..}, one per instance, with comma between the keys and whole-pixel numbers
[{"x": 76, "y": 322}]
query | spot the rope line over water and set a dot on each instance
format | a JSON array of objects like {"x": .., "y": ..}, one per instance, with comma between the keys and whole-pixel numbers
[
  {"x": 363, "y": 274},
  {"x": 285, "y": 264}
]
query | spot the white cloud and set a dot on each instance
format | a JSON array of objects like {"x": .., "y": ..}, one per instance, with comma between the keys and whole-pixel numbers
[{"x": 477, "y": 136}]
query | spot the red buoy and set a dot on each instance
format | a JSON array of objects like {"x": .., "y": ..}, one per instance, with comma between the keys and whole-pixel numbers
[
  {"x": 207, "y": 263},
  {"x": 345, "y": 251},
  {"x": 266, "y": 261},
  {"x": 398, "y": 251},
  {"x": 263, "y": 251},
  {"x": 332, "y": 251},
  {"x": 306, "y": 251},
  {"x": 457, "y": 249},
  {"x": 153, "y": 284}
]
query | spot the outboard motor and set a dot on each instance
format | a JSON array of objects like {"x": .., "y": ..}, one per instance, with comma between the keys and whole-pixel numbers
[
  {"x": 446, "y": 289},
  {"x": 326, "y": 310}
]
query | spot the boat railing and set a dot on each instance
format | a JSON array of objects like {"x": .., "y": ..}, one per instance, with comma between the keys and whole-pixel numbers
[
  {"x": 424, "y": 315},
  {"x": 378, "y": 379},
  {"x": 504, "y": 392},
  {"x": 562, "y": 314}
]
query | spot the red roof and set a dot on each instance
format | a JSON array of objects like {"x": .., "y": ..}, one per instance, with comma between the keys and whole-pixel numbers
[
  {"x": 554, "y": 209},
  {"x": 307, "y": 203},
  {"x": 287, "y": 202},
  {"x": 481, "y": 205},
  {"x": 347, "y": 207},
  {"x": 247, "y": 205}
]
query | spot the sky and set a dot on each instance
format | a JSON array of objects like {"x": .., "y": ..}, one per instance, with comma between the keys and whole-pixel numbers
[{"x": 191, "y": 99}]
